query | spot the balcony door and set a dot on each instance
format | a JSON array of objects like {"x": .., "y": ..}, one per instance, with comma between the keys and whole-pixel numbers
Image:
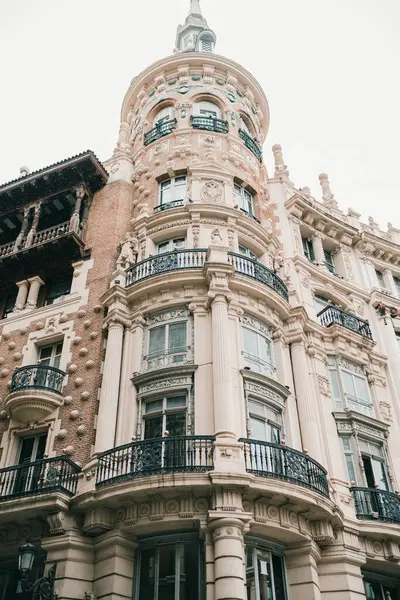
[{"x": 28, "y": 476}]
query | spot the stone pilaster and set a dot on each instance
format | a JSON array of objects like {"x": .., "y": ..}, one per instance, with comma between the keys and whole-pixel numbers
[
  {"x": 339, "y": 569},
  {"x": 228, "y": 559},
  {"x": 108, "y": 404},
  {"x": 306, "y": 401},
  {"x": 318, "y": 248},
  {"x": 34, "y": 289},
  {"x": 114, "y": 567},
  {"x": 131, "y": 363},
  {"x": 23, "y": 287},
  {"x": 302, "y": 571}
]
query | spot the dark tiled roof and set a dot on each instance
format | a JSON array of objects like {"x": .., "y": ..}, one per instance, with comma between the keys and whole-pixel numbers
[{"x": 84, "y": 168}]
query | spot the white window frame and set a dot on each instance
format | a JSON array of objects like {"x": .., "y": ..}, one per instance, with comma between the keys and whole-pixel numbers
[
  {"x": 178, "y": 187},
  {"x": 329, "y": 260},
  {"x": 355, "y": 448},
  {"x": 164, "y": 411},
  {"x": 380, "y": 278},
  {"x": 260, "y": 554},
  {"x": 171, "y": 245},
  {"x": 244, "y": 251},
  {"x": 166, "y": 358},
  {"x": 273, "y": 426},
  {"x": 244, "y": 199},
  {"x": 55, "y": 357},
  {"x": 207, "y": 109},
  {"x": 164, "y": 115},
  {"x": 255, "y": 363},
  {"x": 348, "y": 401}
]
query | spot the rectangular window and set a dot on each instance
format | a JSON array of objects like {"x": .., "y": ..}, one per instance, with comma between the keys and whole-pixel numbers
[
  {"x": 56, "y": 289},
  {"x": 308, "y": 249},
  {"x": 350, "y": 387},
  {"x": 320, "y": 303},
  {"x": 265, "y": 422},
  {"x": 168, "y": 339},
  {"x": 374, "y": 464},
  {"x": 265, "y": 575},
  {"x": 397, "y": 284},
  {"x": 168, "y": 571},
  {"x": 165, "y": 414},
  {"x": 171, "y": 245},
  {"x": 244, "y": 199},
  {"x": 374, "y": 590},
  {"x": 379, "y": 276},
  {"x": 246, "y": 252},
  {"x": 173, "y": 191},
  {"x": 257, "y": 352},
  {"x": 329, "y": 262},
  {"x": 50, "y": 356},
  {"x": 348, "y": 456}
]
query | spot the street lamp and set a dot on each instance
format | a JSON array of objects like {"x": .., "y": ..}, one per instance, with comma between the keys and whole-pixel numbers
[{"x": 43, "y": 588}]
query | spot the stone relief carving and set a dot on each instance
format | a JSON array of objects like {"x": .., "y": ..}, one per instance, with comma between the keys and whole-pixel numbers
[
  {"x": 386, "y": 411},
  {"x": 216, "y": 237},
  {"x": 167, "y": 315},
  {"x": 323, "y": 385},
  {"x": 166, "y": 383},
  {"x": 213, "y": 192},
  {"x": 128, "y": 251}
]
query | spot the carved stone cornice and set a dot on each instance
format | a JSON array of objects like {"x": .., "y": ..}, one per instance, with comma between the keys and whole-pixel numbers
[
  {"x": 353, "y": 422},
  {"x": 379, "y": 248}
]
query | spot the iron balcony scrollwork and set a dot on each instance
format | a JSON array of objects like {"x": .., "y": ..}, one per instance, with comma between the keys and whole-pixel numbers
[
  {"x": 159, "y": 131},
  {"x": 209, "y": 124},
  {"x": 39, "y": 477},
  {"x": 38, "y": 377},
  {"x": 168, "y": 205},
  {"x": 253, "y": 268},
  {"x": 163, "y": 263},
  {"x": 280, "y": 462},
  {"x": 42, "y": 589},
  {"x": 333, "y": 314},
  {"x": 374, "y": 504},
  {"x": 251, "y": 144},
  {"x": 180, "y": 454}
]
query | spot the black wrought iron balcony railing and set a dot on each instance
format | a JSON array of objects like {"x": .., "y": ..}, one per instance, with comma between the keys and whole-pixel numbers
[
  {"x": 252, "y": 268},
  {"x": 280, "y": 462},
  {"x": 38, "y": 377},
  {"x": 168, "y": 205},
  {"x": 58, "y": 474},
  {"x": 183, "y": 454},
  {"x": 166, "y": 262},
  {"x": 251, "y": 144},
  {"x": 333, "y": 314},
  {"x": 159, "y": 131},
  {"x": 374, "y": 504},
  {"x": 209, "y": 124}
]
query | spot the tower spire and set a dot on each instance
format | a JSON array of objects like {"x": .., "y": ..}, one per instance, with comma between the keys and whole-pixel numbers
[{"x": 195, "y": 35}]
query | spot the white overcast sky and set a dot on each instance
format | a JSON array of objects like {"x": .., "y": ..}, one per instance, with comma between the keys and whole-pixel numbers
[{"x": 330, "y": 70}]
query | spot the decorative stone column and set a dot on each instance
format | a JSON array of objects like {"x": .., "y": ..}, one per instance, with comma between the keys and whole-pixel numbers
[
  {"x": 306, "y": 401},
  {"x": 318, "y": 248},
  {"x": 22, "y": 295},
  {"x": 131, "y": 363},
  {"x": 114, "y": 566},
  {"x": 229, "y": 559},
  {"x": 223, "y": 406},
  {"x": 74, "y": 221},
  {"x": 108, "y": 404},
  {"x": 281, "y": 169},
  {"x": 35, "y": 285},
  {"x": 24, "y": 227},
  {"x": 35, "y": 223}
]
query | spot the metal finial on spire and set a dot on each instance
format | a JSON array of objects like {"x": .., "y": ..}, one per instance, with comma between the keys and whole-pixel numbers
[{"x": 195, "y": 35}]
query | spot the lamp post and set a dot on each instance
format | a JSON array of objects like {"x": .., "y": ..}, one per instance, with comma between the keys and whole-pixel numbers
[{"x": 43, "y": 588}]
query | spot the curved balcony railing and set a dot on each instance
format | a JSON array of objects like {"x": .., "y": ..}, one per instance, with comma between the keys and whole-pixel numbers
[
  {"x": 251, "y": 144},
  {"x": 38, "y": 377},
  {"x": 252, "y": 268},
  {"x": 168, "y": 205},
  {"x": 209, "y": 124},
  {"x": 280, "y": 462},
  {"x": 373, "y": 504},
  {"x": 333, "y": 314},
  {"x": 159, "y": 131},
  {"x": 192, "y": 454},
  {"x": 58, "y": 474},
  {"x": 164, "y": 263}
]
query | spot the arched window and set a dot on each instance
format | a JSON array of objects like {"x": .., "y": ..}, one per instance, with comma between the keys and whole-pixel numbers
[
  {"x": 164, "y": 115},
  {"x": 206, "y": 42},
  {"x": 207, "y": 115},
  {"x": 247, "y": 125}
]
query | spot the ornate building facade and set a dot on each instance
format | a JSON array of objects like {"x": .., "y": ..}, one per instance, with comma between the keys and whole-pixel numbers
[{"x": 199, "y": 361}]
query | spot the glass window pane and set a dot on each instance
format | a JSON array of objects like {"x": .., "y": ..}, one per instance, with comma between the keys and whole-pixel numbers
[
  {"x": 351, "y": 472},
  {"x": 250, "y": 342},
  {"x": 176, "y": 424},
  {"x": 189, "y": 579},
  {"x": 348, "y": 384},
  {"x": 335, "y": 387},
  {"x": 256, "y": 407},
  {"x": 147, "y": 574},
  {"x": 46, "y": 352},
  {"x": 361, "y": 388},
  {"x": 166, "y": 192},
  {"x": 176, "y": 401},
  {"x": 153, "y": 428},
  {"x": 264, "y": 578},
  {"x": 265, "y": 349},
  {"x": 279, "y": 577},
  {"x": 153, "y": 405},
  {"x": 258, "y": 430},
  {"x": 346, "y": 443},
  {"x": 163, "y": 247},
  {"x": 177, "y": 337},
  {"x": 157, "y": 341}
]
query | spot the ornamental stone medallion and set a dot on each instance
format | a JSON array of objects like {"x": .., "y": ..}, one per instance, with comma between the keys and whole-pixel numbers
[{"x": 212, "y": 192}]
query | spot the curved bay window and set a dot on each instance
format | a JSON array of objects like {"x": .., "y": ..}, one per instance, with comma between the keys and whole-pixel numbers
[
  {"x": 265, "y": 574},
  {"x": 257, "y": 347},
  {"x": 165, "y": 415},
  {"x": 265, "y": 422},
  {"x": 168, "y": 568},
  {"x": 172, "y": 192},
  {"x": 350, "y": 389}
]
